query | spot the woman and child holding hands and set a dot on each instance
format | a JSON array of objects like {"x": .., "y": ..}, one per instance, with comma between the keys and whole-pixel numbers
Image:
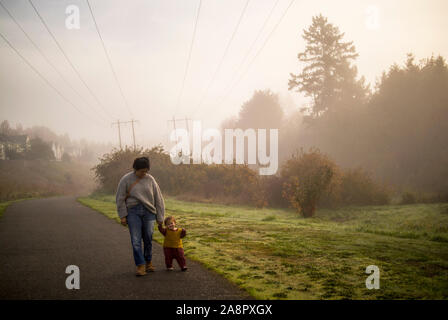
[{"x": 140, "y": 205}]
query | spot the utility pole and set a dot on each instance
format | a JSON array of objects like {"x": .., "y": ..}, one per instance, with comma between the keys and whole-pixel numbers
[
  {"x": 118, "y": 123},
  {"x": 119, "y": 132},
  {"x": 133, "y": 131},
  {"x": 173, "y": 120}
]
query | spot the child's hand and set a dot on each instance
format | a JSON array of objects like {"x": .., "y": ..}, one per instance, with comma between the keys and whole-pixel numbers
[{"x": 124, "y": 221}]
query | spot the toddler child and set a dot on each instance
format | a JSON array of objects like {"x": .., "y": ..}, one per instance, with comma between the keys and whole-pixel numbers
[{"x": 172, "y": 244}]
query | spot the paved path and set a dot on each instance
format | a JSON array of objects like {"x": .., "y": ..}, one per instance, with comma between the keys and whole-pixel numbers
[{"x": 39, "y": 238}]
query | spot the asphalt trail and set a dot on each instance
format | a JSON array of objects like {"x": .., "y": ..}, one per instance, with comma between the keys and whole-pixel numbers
[{"x": 39, "y": 238}]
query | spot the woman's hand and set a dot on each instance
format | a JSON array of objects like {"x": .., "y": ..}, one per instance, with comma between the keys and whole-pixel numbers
[{"x": 124, "y": 221}]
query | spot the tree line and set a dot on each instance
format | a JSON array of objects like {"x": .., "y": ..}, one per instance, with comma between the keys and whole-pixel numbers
[
  {"x": 396, "y": 130},
  {"x": 308, "y": 179},
  {"x": 350, "y": 145},
  {"x": 41, "y": 140}
]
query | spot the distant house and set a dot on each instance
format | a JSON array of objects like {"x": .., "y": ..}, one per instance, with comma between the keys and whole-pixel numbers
[
  {"x": 58, "y": 151},
  {"x": 18, "y": 143}
]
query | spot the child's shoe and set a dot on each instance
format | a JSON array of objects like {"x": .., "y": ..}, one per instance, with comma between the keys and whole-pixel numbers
[
  {"x": 184, "y": 268},
  {"x": 170, "y": 269}
]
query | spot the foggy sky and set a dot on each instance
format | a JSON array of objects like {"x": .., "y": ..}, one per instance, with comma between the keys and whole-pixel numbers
[{"x": 148, "y": 43}]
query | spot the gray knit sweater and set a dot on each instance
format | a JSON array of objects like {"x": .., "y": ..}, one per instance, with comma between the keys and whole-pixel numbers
[{"x": 146, "y": 191}]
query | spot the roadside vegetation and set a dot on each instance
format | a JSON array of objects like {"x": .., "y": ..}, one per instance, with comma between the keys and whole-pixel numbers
[
  {"x": 277, "y": 254},
  {"x": 43, "y": 178}
]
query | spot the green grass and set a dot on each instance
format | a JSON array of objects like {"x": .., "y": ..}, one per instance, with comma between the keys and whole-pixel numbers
[
  {"x": 43, "y": 178},
  {"x": 3, "y": 206},
  {"x": 275, "y": 254}
]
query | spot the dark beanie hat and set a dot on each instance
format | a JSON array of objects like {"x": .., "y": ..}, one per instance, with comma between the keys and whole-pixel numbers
[{"x": 141, "y": 163}]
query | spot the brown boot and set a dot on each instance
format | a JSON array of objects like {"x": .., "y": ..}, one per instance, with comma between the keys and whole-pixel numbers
[
  {"x": 140, "y": 270},
  {"x": 150, "y": 267}
]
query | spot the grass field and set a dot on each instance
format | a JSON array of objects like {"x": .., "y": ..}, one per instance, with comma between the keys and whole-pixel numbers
[
  {"x": 275, "y": 254},
  {"x": 3, "y": 206},
  {"x": 43, "y": 178}
]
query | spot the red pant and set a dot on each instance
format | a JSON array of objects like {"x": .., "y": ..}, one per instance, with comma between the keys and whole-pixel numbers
[{"x": 174, "y": 253}]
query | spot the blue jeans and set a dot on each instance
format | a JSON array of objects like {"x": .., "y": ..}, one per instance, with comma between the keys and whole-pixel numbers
[{"x": 141, "y": 226}]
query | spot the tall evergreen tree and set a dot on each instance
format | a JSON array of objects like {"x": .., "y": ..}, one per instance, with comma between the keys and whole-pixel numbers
[{"x": 328, "y": 76}]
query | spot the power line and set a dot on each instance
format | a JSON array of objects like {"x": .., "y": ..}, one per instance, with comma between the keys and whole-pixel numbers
[
  {"x": 47, "y": 59},
  {"x": 108, "y": 59},
  {"x": 66, "y": 57},
  {"x": 253, "y": 44},
  {"x": 258, "y": 52},
  {"x": 41, "y": 76},
  {"x": 119, "y": 132},
  {"x": 223, "y": 57},
  {"x": 189, "y": 55}
]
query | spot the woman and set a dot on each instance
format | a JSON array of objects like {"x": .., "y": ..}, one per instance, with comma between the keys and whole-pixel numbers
[{"x": 139, "y": 205}]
